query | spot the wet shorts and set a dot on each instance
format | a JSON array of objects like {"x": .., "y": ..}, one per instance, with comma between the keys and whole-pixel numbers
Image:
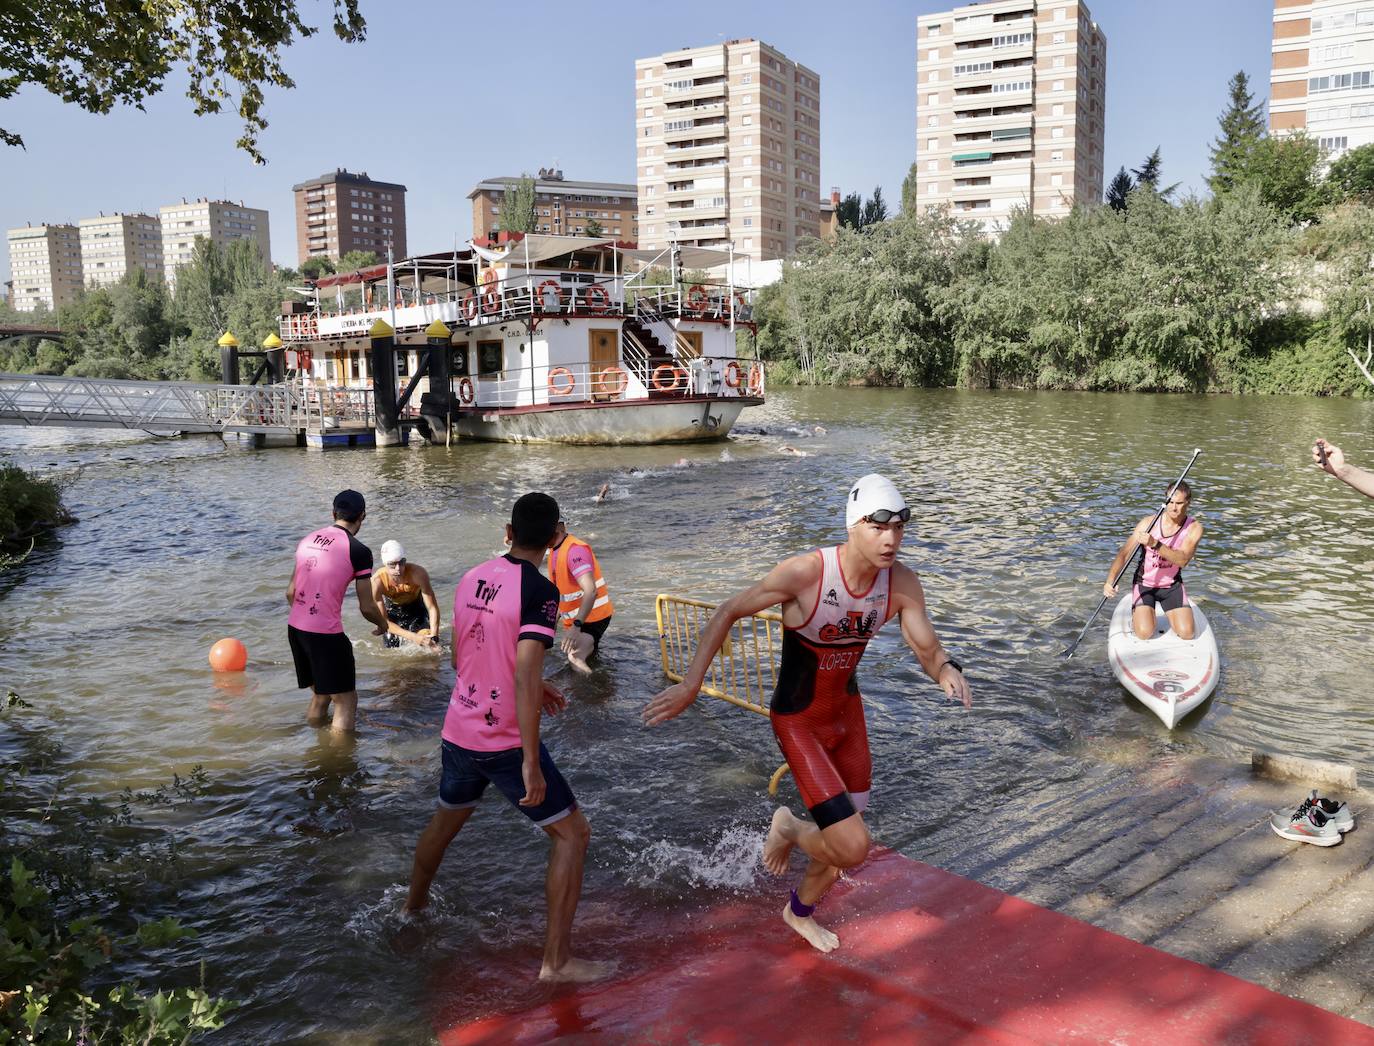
[
  {"x": 411, "y": 616},
  {"x": 467, "y": 774},
  {"x": 324, "y": 661},
  {"x": 1172, "y": 598},
  {"x": 596, "y": 629}
]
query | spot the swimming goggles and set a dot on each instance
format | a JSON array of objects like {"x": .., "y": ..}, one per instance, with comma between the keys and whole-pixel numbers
[{"x": 883, "y": 515}]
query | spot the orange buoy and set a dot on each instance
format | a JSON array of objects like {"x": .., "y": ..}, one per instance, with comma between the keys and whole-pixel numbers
[{"x": 228, "y": 655}]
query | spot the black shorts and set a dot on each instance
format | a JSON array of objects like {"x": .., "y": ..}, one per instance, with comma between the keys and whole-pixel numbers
[
  {"x": 467, "y": 774},
  {"x": 1174, "y": 597},
  {"x": 410, "y": 616},
  {"x": 324, "y": 661},
  {"x": 596, "y": 629}
]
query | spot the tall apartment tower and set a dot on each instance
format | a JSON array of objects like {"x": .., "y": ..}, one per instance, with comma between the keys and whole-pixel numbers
[
  {"x": 115, "y": 244},
  {"x": 1320, "y": 80},
  {"x": 341, "y": 212},
  {"x": 1011, "y": 99},
  {"x": 45, "y": 266},
  {"x": 219, "y": 221},
  {"x": 728, "y": 149}
]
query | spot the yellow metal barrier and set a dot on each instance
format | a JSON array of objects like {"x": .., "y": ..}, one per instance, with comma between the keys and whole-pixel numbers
[{"x": 743, "y": 673}]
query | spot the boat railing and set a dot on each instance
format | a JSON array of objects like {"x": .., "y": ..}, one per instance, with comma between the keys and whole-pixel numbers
[
  {"x": 588, "y": 382},
  {"x": 328, "y": 408},
  {"x": 635, "y": 355}
]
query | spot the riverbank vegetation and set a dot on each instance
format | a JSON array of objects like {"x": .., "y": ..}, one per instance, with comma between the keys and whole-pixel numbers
[
  {"x": 83, "y": 879},
  {"x": 1259, "y": 288},
  {"x": 29, "y": 506}
]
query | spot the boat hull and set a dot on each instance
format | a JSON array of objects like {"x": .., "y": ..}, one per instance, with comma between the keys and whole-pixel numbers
[
  {"x": 1168, "y": 675},
  {"x": 686, "y": 420}
]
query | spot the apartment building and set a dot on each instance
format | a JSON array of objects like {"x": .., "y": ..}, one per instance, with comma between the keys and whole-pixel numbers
[
  {"x": 115, "y": 244},
  {"x": 45, "y": 266},
  {"x": 1320, "y": 80},
  {"x": 219, "y": 221},
  {"x": 341, "y": 212},
  {"x": 728, "y": 149},
  {"x": 561, "y": 207},
  {"x": 1010, "y": 110}
]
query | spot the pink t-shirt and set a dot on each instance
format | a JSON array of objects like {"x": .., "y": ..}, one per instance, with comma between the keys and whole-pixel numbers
[
  {"x": 1155, "y": 571},
  {"x": 495, "y": 606},
  {"x": 327, "y": 562},
  {"x": 579, "y": 559}
]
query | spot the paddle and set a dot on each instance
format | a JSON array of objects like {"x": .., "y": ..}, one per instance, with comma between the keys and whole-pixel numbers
[{"x": 1120, "y": 573}]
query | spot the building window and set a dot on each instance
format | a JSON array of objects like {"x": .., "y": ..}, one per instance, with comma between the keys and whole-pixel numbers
[
  {"x": 1059, "y": 61},
  {"x": 932, "y": 99},
  {"x": 1059, "y": 85},
  {"x": 932, "y": 121},
  {"x": 932, "y": 144},
  {"x": 1057, "y": 109},
  {"x": 1058, "y": 154},
  {"x": 932, "y": 165},
  {"x": 1056, "y": 179},
  {"x": 1059, "y": 38},
  {"x": 1057, "y": 132},
  {"x": 933, "y": 54},
  {"x": 932, "y": 189}
]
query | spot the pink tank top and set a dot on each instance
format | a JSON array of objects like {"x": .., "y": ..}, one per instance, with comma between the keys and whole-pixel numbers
[
  {"x": 843, "y": 617},
  {"x": 495, "y": 606},
  {"x": 327, "y": 562},
  {"x": 1156, "y": 571}
]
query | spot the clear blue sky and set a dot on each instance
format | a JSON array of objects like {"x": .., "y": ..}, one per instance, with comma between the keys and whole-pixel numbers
[{"x": 442, "y": 95}]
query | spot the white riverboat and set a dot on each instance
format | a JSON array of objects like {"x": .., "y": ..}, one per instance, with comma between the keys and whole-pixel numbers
[{"x": 551, "y": 339}]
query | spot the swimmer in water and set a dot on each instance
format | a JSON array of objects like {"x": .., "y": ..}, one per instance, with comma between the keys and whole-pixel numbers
[
  {"x": 602, "y": 494},
  {"x": 404, "y": 591},
  {"x": 833, "y": 602},
  {"x": 504, "y": 613}
]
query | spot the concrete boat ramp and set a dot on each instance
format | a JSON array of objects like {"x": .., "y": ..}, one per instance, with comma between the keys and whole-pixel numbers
[{"x": 1135, "y": 905}]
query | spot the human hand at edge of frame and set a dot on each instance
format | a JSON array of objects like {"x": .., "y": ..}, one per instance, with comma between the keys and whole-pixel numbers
[
  {"x": 1333, "y": 455},
  {"x": 667, "y": 704},
  {"x": 953, "y": 683},
  {"x": 554, "y": 699}
]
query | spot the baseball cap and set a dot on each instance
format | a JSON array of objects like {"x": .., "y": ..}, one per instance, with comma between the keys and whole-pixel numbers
[
  {"x": 392, "y": 551},
  {"x": 869, "y": 494},
  {"x": 349, "y": 505}
]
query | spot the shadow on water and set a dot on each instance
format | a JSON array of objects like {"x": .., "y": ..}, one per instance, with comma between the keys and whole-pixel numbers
[{"x": 1020, "y": 501}]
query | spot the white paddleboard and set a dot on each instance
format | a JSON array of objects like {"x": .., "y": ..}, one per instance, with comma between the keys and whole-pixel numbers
[{"x": 1168, "y": 675}]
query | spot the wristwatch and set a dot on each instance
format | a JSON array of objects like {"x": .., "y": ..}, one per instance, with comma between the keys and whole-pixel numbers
[{"x": 578, "y": 625}]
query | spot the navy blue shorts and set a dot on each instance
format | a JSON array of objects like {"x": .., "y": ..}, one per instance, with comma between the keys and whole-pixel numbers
[{"x": 467, "y": 774}]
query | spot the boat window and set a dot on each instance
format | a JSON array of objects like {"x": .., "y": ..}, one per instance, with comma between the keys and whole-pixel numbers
[{"x": 488, "y": 357}]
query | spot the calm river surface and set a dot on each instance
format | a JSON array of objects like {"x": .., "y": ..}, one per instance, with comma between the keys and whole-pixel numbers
[{"x": 298, "y": 859}]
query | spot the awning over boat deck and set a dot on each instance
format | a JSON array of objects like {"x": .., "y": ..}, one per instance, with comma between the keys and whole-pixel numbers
[{"x": 435, "y": 272}]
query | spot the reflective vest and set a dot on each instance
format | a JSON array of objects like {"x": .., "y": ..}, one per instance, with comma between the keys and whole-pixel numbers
[{"x": 569, "y": 592}]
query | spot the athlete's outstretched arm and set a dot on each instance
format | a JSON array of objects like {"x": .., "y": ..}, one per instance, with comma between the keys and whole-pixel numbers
[
  {"x": 910, "y": 601},
  {"x": 784, "y": 583}
]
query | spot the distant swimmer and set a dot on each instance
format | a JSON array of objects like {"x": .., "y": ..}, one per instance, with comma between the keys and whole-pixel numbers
[
  {"x": 1330, "y": 458},
  {"x": 821, "y": 430},
  {"x": 584, "y": 601},
  {"x": 327, "y": 560},
  {"x": 603, "y": 493},
  {"x": 504, "y": 615},
  {"x": 404, "y": 591},
  {"x": 785, "y": 449},
  {"x": 1169, "y": 547},
  {"x": 834, "y": 600}
]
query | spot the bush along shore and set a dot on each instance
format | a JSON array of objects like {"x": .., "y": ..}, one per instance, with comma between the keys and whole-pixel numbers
[{"x": 29, "y": 507}]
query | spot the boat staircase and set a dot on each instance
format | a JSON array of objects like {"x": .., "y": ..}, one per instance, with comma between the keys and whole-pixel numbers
[{"x": 649, "y": 340}]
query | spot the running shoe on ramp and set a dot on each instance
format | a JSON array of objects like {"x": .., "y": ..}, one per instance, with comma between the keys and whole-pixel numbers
[
  {"x": 1307, "y": 824},
  {"x": 1338, "y": 813}
]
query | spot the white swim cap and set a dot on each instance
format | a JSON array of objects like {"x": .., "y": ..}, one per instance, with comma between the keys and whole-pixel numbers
[
  {"x": 869, "y": 494},
  {"x": 392, "y": 551}
]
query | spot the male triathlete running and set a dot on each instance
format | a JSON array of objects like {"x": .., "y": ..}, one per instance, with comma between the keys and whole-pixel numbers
[
  {"x": 504, "y": 613},
  {"x": 584, "y": 601},
  {"x": 327, "y": 561},
  {"x": 404, "y": 591},
  {"x": 833, "y": 601},
  {"x": 1169, "y": 547}
]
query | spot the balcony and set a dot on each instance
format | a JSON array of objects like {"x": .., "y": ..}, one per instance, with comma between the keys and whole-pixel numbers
[
  {"x": 694, "y": 133},
  {"x": 713, "y": 150},
  {"x": 715, "y": 90}
]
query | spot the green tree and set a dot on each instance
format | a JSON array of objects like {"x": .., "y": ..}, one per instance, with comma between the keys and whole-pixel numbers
[
  {"x": 1242, "y": 128},
  {"x": 594, "y": 228},
  {"x": 850, "y": 211},
  {"x": 352, "y": 261},
  {"x": 911, "y": 202},
  {"x": 1147, "y": 175},
  {"x": 1119, "y": 190},
  {"x": 1286, "y": 171},
  {"x": 97, "y": 55},
  {"x": 517, "y": 206},
  {"x": 317, "y": 267},
  {"x": 875, "y": 209},
  {"x": 1351, "y": 176}
]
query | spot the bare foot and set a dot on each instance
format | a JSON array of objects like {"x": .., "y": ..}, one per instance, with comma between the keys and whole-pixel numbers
[
  {"x": 578, "y": 665},
  {"x": 577, "y": 971},
  {"x": 777, "y": 847},
  {"x": 817, "y": 935}
]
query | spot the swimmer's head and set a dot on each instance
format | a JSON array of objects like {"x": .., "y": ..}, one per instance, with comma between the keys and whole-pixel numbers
[
  {"x": 875, "y": 498},
  {"x": 533, "y": 522},
  {"x": 393, "y": 553},
  {"x": 349, "y": 506}
]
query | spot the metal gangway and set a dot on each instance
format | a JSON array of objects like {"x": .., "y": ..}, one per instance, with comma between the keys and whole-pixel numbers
[{"x": 181, "y": 406}]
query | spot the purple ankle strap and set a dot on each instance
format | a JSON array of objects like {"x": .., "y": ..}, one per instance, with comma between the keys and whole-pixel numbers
[{"x": 801, "y": 911}]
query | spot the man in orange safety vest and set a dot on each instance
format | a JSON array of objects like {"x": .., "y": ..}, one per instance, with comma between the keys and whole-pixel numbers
[{"x": 584, "y": 603}]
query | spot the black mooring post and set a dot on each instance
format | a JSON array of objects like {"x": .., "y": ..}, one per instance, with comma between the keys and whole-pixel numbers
[{"x": 382, "y": 362}]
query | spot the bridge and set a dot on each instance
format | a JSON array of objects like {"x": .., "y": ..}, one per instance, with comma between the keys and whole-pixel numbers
[
  {"x": 9, "y": 331},
  {"x": 186, "y": 407}
]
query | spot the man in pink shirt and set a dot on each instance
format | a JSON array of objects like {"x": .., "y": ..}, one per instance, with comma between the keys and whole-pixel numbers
[
  {"x": 504, "y": 614},
  {"x": 328, "y": 560}
]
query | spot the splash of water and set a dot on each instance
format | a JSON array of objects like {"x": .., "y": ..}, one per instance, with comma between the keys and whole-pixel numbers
[{"x": 731, "y": 863}]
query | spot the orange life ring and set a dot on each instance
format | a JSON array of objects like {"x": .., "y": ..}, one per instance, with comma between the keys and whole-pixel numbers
[
  {"x": 756, "y": 378},
  {"x": 465, "y": 391},
  {"x": 561, "y": 390},
  {"x": 491, "y": 297},
  {"x": 470, "y": 307},
  {"x": 678, "y": 375},
  {"x": 603, "y": 303},
  {"x": 699, "y": 300},
  {"x": 621, "y": 380},
  {"x": 557, "y": 293},
  {"x": 733, "y": 374}
]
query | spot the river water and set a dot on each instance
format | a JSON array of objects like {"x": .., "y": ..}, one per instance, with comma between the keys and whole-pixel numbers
[{"x": 296, "y": 861}]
